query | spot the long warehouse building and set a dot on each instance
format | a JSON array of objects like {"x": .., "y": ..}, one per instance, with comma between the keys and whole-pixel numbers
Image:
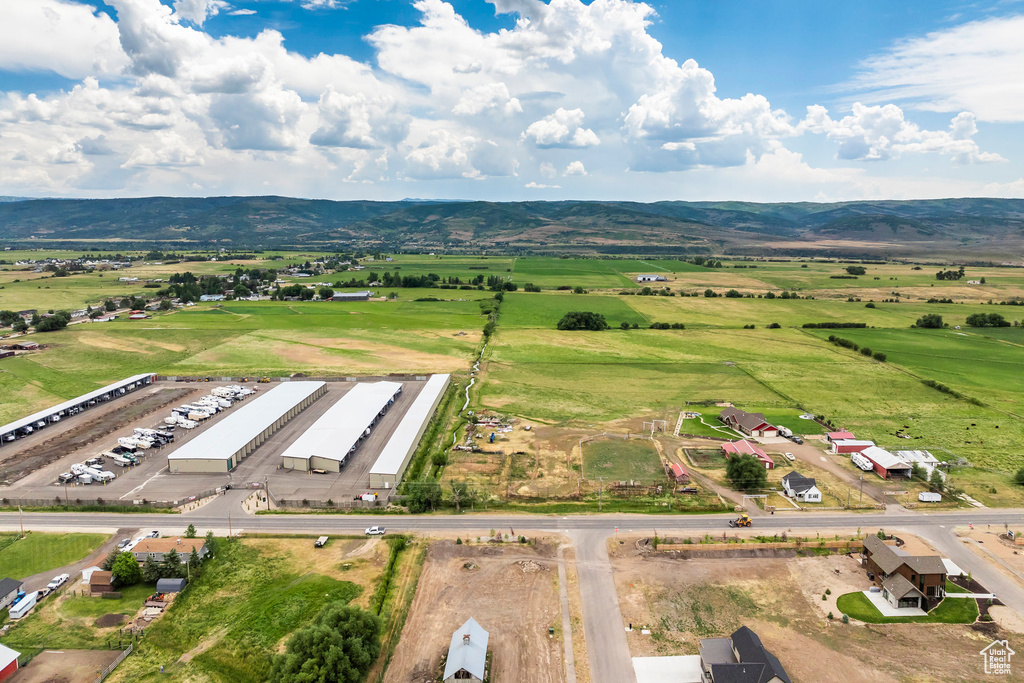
[
  {"x": 227, "y": 442},
  {"x": 328, "y": 444},
  {"x": 43, "y": 418},
  {"x": 390, "y": 466}
]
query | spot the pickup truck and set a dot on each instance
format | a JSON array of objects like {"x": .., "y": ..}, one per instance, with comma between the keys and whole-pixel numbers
[
  {"x": 375, "y": 531},
  {"x": 58, "y": 581}
]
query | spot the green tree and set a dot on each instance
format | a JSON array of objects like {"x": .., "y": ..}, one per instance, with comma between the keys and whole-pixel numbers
[
  {"x": 1019, "y": 477},
  {"x": 126, "y": 570},
  {"x": 856, "y": 270},
  {"x": 170, "y": 568},
  {"x": 624, "y": 325},
  {"x": 211, "y": 543},
  {"x": 108, "y": 562},
  {"x": 917, "y": 472},
  {"x": 150, "y": 570},
  {"x": 583, "y": 320},
  {"x": 341, "y": 645},
  {"x": 930, "y": 321},
  {"x": 745, "y": 472},
  {"x": 194, "y": 560},
  {"x": 190, "y": 532},
  {"x": 241, "y": 291},
  {"x": 109, "y": 306},
  {"x": 937, "y": 481},
  {"x": 325, "y": 293},
  {"x": 987, "y": 320},
  {"x": 423, "y": 496}
]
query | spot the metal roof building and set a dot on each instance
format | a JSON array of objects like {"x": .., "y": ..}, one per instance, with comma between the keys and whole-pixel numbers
[
  {"x": 393, "y": 460},
  {"x": 467, "y": 654},
  {"x": 74, "y": 405},
  {"x": 222, "y": 446},
  {"x": 333, "y": 437}
]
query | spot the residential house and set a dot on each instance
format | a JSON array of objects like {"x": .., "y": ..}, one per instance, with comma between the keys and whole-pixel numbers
[
  {"x": 885, "y": 464},
  {"x": 351, "y": 296},
  {"x": 9, "y": 591},
  {"x": 925, "y": 574},
  {"x": 467, "y": 654},
  {"x": 745, "y": 447},
  {"x": 741, "y": 658},
  {"x": 647, "y": 277},
  {"x": 211, "y": 297},
  {"x": 799, "y": 487},
  {"x": 924, "y": 459},
  {"x": 751, "y": 424},
  {"x": 101, "y": 582},
  {"x": 157, "y": 548}
]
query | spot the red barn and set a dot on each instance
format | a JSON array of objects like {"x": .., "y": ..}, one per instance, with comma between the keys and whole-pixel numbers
[
  {"x": 851, "y": 445},
  {"x": 8, "y": 662},
  {"x": 679, "y": 473},
  {"x": 836, "y": 436}
]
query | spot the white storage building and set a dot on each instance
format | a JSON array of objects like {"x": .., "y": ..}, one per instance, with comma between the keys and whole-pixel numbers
[
  {"x": 12, "y": 431},
  {"x": 222, "y": 446},
  {"x": 393, "y": 460},
  {"x": 328, "y": 443}
]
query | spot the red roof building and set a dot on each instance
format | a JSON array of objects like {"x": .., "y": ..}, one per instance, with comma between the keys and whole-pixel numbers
[
  {"x": 8, "y": 662},
  {"x": 835, "y": 436},
  {"x": 679, "y": 473},
  {"x": 744, "y": 447}
]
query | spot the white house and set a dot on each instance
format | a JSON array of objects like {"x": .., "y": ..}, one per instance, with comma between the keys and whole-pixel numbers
[
  {"x": 647, "y": 277},
  {"x": 799, "y": 487}
]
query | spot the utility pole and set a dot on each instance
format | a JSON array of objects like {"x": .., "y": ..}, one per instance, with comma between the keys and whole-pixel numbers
[
  {"x": 600, "y": 494},
  {"x": 20, "y": 520},
  {"x": 861, "y": 501},
  {"x": 229, "y": 525},
  {"x": 65, "y": 493}
]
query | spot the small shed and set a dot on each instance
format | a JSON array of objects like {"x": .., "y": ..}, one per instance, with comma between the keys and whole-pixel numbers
[
  {"x": 679, "y": 473},
  {"x": 170, "y": 585},
  {"x": 101, "y": 582},
  {"x": 467, "y": 654}
]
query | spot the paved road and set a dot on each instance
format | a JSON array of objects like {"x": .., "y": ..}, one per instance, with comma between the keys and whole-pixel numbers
[{"x": 608, "y": 650}]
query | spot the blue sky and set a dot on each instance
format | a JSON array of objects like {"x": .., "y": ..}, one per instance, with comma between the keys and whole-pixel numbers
[{"x": 512, "y": 99}]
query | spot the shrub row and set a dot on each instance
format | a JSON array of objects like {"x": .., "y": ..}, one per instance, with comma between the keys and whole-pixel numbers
[{"x": 833, "y": 326}]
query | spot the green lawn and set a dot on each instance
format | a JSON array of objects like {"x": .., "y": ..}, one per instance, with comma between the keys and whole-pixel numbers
[
  {"x": 39, "y": 552},
  {"x": 520, "y": 309},
  {"x": 131, "y": 600},
  {"x": 622, "y": 460},
  {"x": 949, "y": 611}
]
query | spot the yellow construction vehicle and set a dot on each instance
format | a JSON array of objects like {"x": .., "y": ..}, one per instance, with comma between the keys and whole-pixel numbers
[
  {"x": 743, "y": 520},
  {"x": 264, "y": 380}
]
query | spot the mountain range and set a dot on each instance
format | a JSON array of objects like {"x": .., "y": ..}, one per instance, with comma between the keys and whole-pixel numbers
[{"x": 946, "y": 228}]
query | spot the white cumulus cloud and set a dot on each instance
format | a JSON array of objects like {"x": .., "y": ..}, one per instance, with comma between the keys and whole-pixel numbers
[{"x": 562, "y": 128}]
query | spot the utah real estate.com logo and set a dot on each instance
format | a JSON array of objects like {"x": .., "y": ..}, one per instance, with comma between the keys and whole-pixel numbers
[{"x": 997, "y": 657}]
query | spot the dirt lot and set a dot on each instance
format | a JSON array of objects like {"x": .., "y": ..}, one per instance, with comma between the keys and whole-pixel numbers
[
  {"x": 65, "y": 666},
  {"x": 20, "y": 460},
  {"x": 682, "y": 601},
  {"x": 510, "y": 590}
]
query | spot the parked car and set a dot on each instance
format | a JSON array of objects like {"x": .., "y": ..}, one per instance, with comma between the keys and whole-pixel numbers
[
  {"x": 154, "y": 534},
  {"x": 790, "y": 456},
  {"x": 123, "y": 543},
  {"x": 320, "y": 542},
  {"x": 58, "y": 581},
  {"x": 375, "y": 531}
]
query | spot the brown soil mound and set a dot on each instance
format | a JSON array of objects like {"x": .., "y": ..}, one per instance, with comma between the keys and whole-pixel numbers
[{"x": 108, "y": 620}]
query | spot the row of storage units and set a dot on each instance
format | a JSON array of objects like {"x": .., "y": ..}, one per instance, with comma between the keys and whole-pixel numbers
[{"x": 225, "y": 444}]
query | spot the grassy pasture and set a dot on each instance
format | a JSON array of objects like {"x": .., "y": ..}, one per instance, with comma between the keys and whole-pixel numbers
[
  {"x": 622, "y": 460},
  {"x": 594, "y": 273},
  {"x": 545, "y": 310}
]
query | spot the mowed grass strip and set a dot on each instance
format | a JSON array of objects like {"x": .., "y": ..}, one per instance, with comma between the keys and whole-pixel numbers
[
  {"x": 622, "y": 460},
  {"x": 39, "y": 552}
]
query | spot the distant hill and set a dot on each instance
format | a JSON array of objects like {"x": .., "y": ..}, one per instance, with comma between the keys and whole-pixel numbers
[{"x": 976, "y": 228}]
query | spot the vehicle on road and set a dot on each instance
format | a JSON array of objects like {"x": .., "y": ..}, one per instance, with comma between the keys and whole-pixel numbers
[
  {"x": 375, "y": 531},
  {"x": 743, "y": 520},
  {"x": 58, "y": 581}
]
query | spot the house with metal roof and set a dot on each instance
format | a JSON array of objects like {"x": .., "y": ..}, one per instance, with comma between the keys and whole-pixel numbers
[
  {"x": 741, "y": 658},
  {"x": 850, "y": 445},
  {"x": 751, "y": 424},
  {"x": 925, "y": 573},
  {"x": 8, "y": 662},
  {"x": 744, "y": 447},
  {"x": 885, "y": 464},
  {"x": 651, "y": 277},
  {"x": 9, "y": 591},
  {"x": 467, "y": 654},
  {"x": 799, "y": 487}
]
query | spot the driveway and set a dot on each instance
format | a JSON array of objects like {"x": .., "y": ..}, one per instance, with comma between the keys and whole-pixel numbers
[{"x": 39, "y": 581}]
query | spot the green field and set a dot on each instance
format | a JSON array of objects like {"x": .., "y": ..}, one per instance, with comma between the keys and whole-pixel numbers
[
  {"x": 622, "y": 460},
  {"x": 39, "y": 552}
]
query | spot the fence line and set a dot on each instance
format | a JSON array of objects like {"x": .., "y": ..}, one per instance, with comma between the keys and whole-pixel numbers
[{"x": 113, "y": 665}]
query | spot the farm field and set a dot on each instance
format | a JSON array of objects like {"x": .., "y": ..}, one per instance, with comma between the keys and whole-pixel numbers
[
  {"x": 622, "y": 460},
  {"x": 780, "y": 600}
]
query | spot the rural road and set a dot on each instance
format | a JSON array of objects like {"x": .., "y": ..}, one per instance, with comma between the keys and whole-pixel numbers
[{"x": 603, "y": 627}]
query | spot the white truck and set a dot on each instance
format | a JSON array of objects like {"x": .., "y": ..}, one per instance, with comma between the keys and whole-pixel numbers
[{"x": 121, "y": 462}]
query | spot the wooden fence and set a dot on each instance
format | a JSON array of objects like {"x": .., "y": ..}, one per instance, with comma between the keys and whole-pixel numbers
[
  {"x": 780, "y": 545},
  {"x": 113, "y": 665}
]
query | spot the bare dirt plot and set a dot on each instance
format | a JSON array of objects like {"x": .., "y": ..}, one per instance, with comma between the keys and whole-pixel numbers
[
  {"x": 66, "y": 666},
  {"x": 510, "y": 590},
  {"x": 18, "y": 463},
  {"x": 683, "y": 601}
]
